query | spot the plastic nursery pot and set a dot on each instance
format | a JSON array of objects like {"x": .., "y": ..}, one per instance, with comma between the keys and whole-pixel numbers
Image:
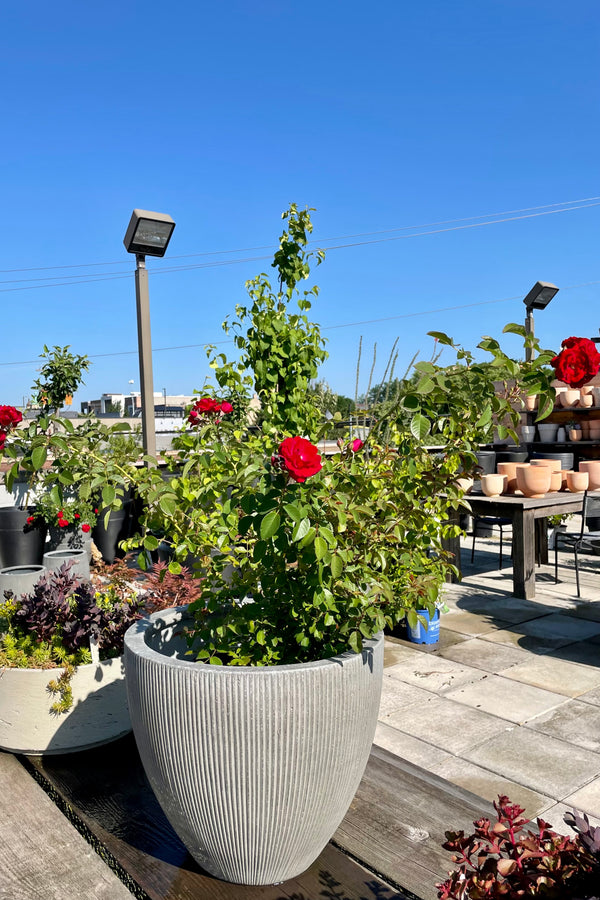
[
  {"x": 425, "y": 635},
  {"x": 21, "y": 543}
]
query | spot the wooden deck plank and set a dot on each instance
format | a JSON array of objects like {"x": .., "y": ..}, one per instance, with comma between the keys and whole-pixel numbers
[
  {"x": 42, "y": 856},
  {"x": 398, "y": 818},
  {"x": 109, "y": 793}
]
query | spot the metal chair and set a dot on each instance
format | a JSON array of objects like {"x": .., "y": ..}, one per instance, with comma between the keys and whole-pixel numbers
[
  {"x": 583, "y": 541},
  {"x": 495, "y": 522}
]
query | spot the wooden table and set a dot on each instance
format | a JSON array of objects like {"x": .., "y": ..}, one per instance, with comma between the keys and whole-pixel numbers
[{"x": 525, "y": 514}]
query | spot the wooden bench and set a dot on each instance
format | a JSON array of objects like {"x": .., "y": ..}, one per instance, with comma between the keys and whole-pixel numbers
[{"x": 387, "y": 848}]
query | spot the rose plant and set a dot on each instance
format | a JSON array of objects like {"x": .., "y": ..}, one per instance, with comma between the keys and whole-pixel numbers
[
  {"x": 578, "y": 361},
  {"x": 302, "y": 554}
]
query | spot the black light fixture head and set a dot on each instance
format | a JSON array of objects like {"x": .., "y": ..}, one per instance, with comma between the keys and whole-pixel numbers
[
  {"x": 540, "y": 295},
  {"x": 148, "y": 233}
]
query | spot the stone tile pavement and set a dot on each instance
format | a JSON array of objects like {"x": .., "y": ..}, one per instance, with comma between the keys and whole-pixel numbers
[{"x": 508, "y": 701}]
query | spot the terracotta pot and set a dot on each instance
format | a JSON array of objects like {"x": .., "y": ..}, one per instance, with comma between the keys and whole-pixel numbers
[
  {"x": 592, "y": 467},
  {"x": 534, "y": 481},
  {"x": 493, "y": 485},
  {"x": 585, "y": 430},
  {"x": 570, "y": 397},
  {"x": 586, "y": 401},
  {"x": 575, "y": 434},
  {"x": 553, "y": 464},
  {"x": 465, "y": 484},
  {"x": 556, "y": 481},
  {"x": 530, "y": 403},
  {"x": 563, "y": 473},
  {"x": 509, "y": 470},
  {"x": 577, "y": 482},
  {"x": 594, "y": 430}
]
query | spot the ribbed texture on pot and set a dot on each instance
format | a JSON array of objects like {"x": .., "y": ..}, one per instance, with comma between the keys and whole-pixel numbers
[{"x": 254, "y": 767}]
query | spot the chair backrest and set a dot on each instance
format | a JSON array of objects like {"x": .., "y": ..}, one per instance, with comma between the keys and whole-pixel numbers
[{"x": 583, "y": 512}]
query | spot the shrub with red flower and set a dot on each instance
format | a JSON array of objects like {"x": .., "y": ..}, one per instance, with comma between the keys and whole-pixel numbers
[
  {"x": 299, "y": 458},
  {"x": 9, "y": 419},
  {"x": 577, "y": 363},
  {"x": 206, "y": 409}
]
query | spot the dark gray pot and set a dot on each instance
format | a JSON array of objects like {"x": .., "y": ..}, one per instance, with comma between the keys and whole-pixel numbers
[
  {"x": 80, "y": 567},
  {"x": 19, "y": 579},
  {"x": 255, "y": 767}
]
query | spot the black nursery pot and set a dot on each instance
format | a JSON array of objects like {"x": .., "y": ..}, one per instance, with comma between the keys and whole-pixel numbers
[
  {"x": 21, "y": 544},
  {"x": 106, "y": 538}
]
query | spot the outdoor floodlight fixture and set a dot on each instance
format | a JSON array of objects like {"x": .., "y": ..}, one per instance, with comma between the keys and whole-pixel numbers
[
  {"x": 540, "y": 295},
  {"x": 148, "y": 233}
]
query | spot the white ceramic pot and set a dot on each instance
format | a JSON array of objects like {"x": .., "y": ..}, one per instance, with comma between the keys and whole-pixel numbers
[
  {"x": 98, "y": 715},
  {"x": 255, "y": 767}
]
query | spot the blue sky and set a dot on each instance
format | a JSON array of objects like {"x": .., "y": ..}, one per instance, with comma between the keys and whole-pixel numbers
[{"x": 380, "y": 116}]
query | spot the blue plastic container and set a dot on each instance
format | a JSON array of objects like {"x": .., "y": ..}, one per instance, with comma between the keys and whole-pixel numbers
[{"x": 422, "y": 635}]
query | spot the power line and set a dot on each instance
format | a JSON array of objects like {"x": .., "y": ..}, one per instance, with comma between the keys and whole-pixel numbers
[
  {"x": 229, "y": 262},
  {"x": 411, "y": 315},
  {"x": 510, "y": 212}
]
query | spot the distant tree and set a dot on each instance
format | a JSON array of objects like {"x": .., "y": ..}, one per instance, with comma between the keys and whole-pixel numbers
[{"x": 114, "y": 408}]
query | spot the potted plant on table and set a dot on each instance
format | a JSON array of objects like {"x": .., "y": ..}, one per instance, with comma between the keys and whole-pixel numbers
[{"x": 62, "y": 686}]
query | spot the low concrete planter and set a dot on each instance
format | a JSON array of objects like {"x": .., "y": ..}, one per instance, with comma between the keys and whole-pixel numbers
[
  {"x": 255, "y": 767},
  {"x": 99, "y": 713}
]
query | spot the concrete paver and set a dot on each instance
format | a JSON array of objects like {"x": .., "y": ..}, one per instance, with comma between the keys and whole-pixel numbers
[
  {"x": 552, "y": 674},
  {"x": 547, "y": 650},
  {"x": 434, "y": 673},
  {"x": 447, "y": 725},
  {"x": 508, "y": 699},
  {"x": 397, "y": 695},
  {"x": 409, "y": 748},
  {"x": 577, "y": 723},
  {"x": 485, "y": 655},
  {"x": 550, "y": 766},
  {"x": 489, "y": 784}
]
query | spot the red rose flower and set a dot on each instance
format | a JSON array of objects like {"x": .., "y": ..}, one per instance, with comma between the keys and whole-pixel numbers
[
  {"x": 96, "y": 511},
  {"x": 63, "y": 523},
  {"x": 300, "y": 458},
  {"x": 357, "y": 444},
  {"x": 577, "y": 363},
  {"x": 85, "y": 527},
  {"x": 226, "y": 407},
  {"x": 9, "y": 417},
  {"x": 2, "y": 440},
  {"x": 207, "y": 405},
  {"x": 76, "y": 516},
  {"x": 30, "y": 520}
]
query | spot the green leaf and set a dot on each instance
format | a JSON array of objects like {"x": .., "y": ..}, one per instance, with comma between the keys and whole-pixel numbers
[
  {"x": 425, "y": 385},
  {"x": 150, "y": 542},
  {"x": 38, "y": 458},
  {"x": 411, "y": 402},
  {"x": 293, "y": 511},
  {"x": 420, "y": 426},
  {"x": 108, "y": 495},
  {"x": 260, "y": 551},
  {"x": 270, "y": 525},
  {"x": 308, "y": 538},
  {"x": 337, "y": 567},
  {"x": 320, "y": 547},
  {"x": 168, "y": 505},
  {"x": 513, "y": 328},
  {"x": 301, "y": 530},
  {"x": 355, "y": 642},
  {"x": 485, "y": 418},
  {"x": 441, "y": 338}
]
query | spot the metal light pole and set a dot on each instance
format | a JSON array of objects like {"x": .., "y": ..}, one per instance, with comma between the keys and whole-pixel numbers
[
  {"x": 148, "y": 234},
  {"x": 538, "y": 297}
]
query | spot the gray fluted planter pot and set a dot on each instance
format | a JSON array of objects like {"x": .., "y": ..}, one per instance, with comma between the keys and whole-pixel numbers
[{"x": 255, "y": 767}]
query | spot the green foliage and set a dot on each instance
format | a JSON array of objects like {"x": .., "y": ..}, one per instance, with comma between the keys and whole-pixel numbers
[
  {"x": 60, "y": 375},
  {"x": 280, "y": 350}
]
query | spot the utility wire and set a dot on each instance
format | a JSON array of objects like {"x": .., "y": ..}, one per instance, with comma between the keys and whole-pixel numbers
[
  {"x": 510, "y": 212},
  {"x": 229, "y": 262},
  {"x": 426, "y": 312}
]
